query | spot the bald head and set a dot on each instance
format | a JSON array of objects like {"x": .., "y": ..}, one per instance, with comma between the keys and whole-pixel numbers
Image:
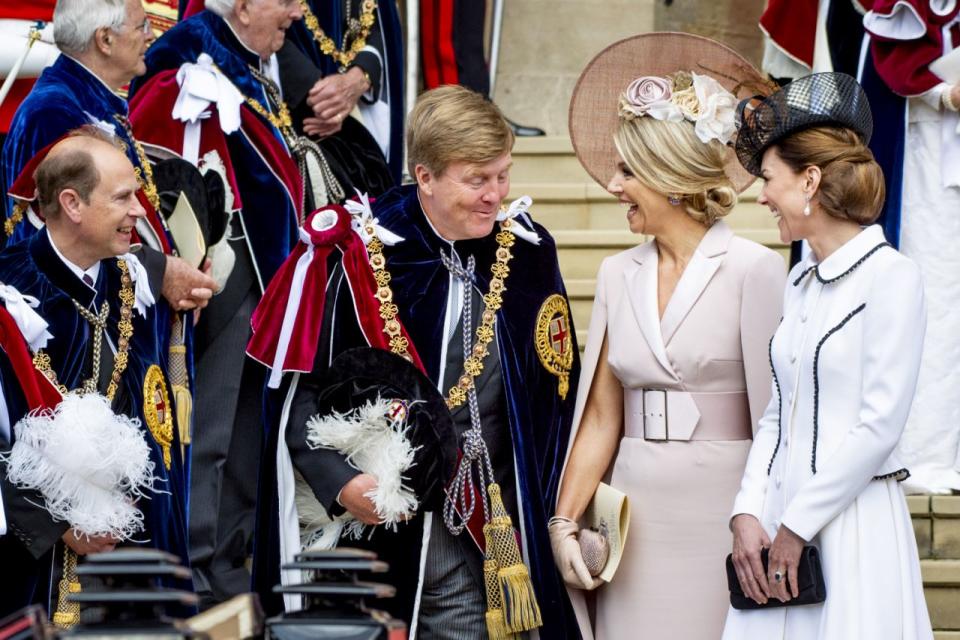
[{"x": 73, "y": 163}]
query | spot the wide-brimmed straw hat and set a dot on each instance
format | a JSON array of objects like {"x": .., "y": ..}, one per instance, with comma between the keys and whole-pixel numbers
[
  {"x": 594, "y": 107},
  {"x": 818, "y": 99}
]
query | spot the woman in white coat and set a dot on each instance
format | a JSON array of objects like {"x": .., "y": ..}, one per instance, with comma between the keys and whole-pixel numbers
[{"x": 822, "y": 469}]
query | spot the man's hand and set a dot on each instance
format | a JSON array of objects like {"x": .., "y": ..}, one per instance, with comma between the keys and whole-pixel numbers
[
  {"x": 185, "y": 287},
  {"x": 332, "y": 99},
  {"x": 82, "y": 545},
  {"x": 354, "y": 500},
  {"x": 955, "y": 95}
]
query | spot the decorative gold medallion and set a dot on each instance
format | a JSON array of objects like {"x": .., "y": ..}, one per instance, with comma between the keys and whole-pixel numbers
[
  {"x": 553, "y": 341},
  {"x": 157, "y": 410}
]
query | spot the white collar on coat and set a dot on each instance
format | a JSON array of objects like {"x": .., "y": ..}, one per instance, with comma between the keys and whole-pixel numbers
[
  {"x": 845, "y": 259},
  {"x": 641, "y": 287}
]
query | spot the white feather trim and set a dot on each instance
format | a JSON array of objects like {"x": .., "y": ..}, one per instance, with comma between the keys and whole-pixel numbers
[
  {"x": 89, "y": 464},
  {"x": 371, "y": 443}
]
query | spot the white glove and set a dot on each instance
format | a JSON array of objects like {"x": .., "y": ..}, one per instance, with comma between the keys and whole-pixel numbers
[{"x": 567, "y": 555}]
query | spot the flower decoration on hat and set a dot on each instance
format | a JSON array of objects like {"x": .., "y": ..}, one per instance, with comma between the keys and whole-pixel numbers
[{"x": 681, "y": 96}]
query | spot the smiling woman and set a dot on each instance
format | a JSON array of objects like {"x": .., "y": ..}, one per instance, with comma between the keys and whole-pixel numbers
[{"x": 675, "y": 373}]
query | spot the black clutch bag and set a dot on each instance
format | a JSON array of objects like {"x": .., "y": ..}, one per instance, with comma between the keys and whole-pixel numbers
[{"x": 809, "y": 576}]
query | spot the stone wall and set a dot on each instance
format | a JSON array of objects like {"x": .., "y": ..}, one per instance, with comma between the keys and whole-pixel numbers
[{"x": 546, "y": 43}]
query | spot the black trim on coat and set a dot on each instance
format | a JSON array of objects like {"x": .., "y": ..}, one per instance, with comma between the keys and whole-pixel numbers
[
  {"x": 816, "y": 366},
  {"x": 816, "y": 268}
]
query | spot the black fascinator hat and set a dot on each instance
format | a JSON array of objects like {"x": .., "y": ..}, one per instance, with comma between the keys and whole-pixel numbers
[{"x": 817, "y": 99}]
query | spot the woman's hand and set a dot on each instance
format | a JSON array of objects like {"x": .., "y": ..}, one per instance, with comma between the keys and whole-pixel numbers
[
  {"x": 567, "y": 554},
  {"x": 784, "y": 557},
  {"x": 748, "y": 539}
]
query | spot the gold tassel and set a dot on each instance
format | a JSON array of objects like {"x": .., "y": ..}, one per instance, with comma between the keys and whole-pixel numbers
[
  {"x": 179, "y": 383},
  {"x": 67, "y": 614},
  {"x": 496, "y": 627},
  {"x": 514, "y": 588},
  {"x": 183, "y": 401}
]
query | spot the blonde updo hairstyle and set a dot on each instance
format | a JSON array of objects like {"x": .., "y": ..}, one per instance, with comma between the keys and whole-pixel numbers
[
  {"x": 669, "y": 158},
  {"x": 851, "y": 181}
]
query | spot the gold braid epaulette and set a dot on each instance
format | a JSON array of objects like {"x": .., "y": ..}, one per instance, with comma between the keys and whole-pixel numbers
[
  {"x": 361, "y": 31},
  {"x": 16, "y": 217},
  {"x": 493, "y": 300}
]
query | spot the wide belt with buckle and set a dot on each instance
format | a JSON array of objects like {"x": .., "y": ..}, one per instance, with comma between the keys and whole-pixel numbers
[{"x": 668, "y": 414}]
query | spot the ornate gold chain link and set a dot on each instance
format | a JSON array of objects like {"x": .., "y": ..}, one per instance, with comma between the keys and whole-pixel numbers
[
  {"x": 360, "y": 31},
  {"x": 144, "y": 176},
  {"x": 493, "y": 300},
  {"x": 42, "y": 362}
]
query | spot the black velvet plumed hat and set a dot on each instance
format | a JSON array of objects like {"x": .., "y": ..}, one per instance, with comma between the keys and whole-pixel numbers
[
  {"x": 362, "y": 375},
  {"x": 817, "y": 99}
]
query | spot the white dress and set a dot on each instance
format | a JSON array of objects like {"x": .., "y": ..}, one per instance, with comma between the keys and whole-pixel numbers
[
  {"x": 845, "y": 362},
  {"x": 929, "y": 234}
]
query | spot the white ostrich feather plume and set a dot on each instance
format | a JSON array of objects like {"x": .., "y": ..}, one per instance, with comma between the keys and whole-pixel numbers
[
  {"x": 374, "y": 444},
  {"x": 89, "y": 464}
]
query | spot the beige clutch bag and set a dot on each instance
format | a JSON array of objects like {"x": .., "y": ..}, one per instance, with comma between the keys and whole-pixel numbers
[{"x": 607, "y": 521}]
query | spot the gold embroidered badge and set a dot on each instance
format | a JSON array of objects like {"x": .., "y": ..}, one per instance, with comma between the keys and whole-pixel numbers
[
  {"x": 157, "y": 411},
  {"x": 553, "y": 341}
]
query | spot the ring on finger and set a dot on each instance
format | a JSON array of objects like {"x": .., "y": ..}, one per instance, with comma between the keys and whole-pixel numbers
[{"x": 778, "y": 575}]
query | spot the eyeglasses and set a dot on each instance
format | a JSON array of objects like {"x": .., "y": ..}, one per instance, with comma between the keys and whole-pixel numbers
[{"x": 144, "y": 27}]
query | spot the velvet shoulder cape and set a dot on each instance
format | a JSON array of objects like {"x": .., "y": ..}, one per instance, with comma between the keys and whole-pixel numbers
[
  {"x": 33, "y": 268},
  {"x": 261, "y": 171},
  {"x": 65, "y": 97}
]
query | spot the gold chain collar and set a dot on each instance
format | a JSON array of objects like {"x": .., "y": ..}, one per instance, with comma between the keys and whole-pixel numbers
[
  {"x": 145, "y": 170},
  {"x": 360, "y": 32},
  {"x": 281, "y": 121},
  {"x": 493, "y": 300},
  {"x": 42, "y": 362}
]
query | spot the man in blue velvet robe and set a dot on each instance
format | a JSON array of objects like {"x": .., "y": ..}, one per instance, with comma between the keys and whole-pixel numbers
[
  {"x": 81, "y": 88},
  {"x": 87, "y": 191},
  {"x": 454, "y": 271},
  {"x": 210, "y": 95}
]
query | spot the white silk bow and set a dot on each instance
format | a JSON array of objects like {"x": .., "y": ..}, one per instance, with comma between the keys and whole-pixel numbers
[
  {"x": 202, "y": 84},
  {"x": 361, "y": 217},
  {"x": 21, "y": 309},
  {"x": 518, "y": 209},
  {"x": 143, "y": 297}
]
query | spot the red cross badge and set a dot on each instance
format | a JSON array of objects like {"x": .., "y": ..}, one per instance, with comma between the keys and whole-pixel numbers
[{"x": 553, "y": 340}]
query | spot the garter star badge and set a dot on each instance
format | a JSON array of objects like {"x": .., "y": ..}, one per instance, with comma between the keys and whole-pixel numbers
[
  {"x": 157, "y": 411},
  {"x": 553, "y": 341}
]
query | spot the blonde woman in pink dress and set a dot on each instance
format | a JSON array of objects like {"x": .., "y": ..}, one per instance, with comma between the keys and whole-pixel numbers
[{"x": 675, "y": 373}]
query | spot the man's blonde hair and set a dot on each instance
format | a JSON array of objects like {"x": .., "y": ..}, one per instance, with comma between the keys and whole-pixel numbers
[{"x": 452, "y": 124}]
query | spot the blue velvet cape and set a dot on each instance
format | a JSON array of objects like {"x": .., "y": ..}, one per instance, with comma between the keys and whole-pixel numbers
[
  {"x": 269, "y": 216},
  {"x": 539, "y": 420},
  {"x": 65, "y": 96},
  {"x": 330, "y": 14},
  {"x": 33, "y": 268}
]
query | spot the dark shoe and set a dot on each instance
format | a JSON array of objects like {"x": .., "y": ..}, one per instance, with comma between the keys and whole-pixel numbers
[{"x": 521, "y": 130}]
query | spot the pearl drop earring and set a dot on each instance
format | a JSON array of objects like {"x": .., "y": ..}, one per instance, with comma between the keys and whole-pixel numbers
[{"x": 806, "y": 207}]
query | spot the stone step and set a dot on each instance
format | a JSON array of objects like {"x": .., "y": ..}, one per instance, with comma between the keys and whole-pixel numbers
[
  {"x": 941, "y": 582},
  {"x": 936, "y": 522},
  {"x": 546, "y": 159}
]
